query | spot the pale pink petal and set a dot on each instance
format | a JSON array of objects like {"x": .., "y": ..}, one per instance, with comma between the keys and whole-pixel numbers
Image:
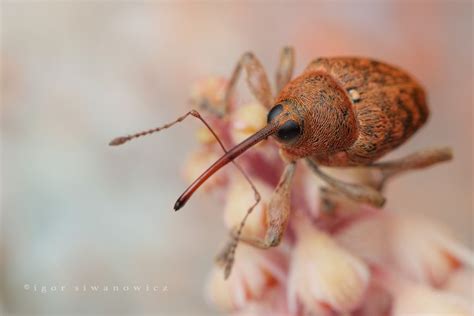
[
  {"x": 254, "y": 273},
  {"x": 410, "y": 244},
  {"x": 197, "y": 162},
  {"x": 378, "y": 302},
  {"x": 461, "y": 283},
  {"x": 247, "y": 119},
  {"x": 420, "y": 300},
  {"x": 272, "y": 303},
  {"x": 240, "y": 197},
  {"x": 412, "y": 298},
  {"x": 324, "y": 273},
  {"x": 368, "y": 238},
  {"x": 425, "y": 251},
  {"x": 209, "y": 94}
]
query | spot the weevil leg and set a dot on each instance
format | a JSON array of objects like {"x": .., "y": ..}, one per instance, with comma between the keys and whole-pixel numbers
[
  {"x": 277, "y": 215},
  {"x": 356, "y": 192},
  {"x": 257, "y": 80},
  {"x": 328, "y": 200},
  {"x": 279, "y": 207},
  {"x": 285, "y": 68},
  {"x": 418, "y": 160}
]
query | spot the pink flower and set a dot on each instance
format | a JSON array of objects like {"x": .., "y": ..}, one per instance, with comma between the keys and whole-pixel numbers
[
  {"x": 415, "y": 299},
  {"x": 246, "y": 120},
  {"x": 272, "y": 303},
  {"x": 323, "y": 274},
  {"x": 409, "y": 244},
  {"x": 198, "y": 161},
  {"x": 340, "y": 259},
  {"x": 411, "y": 298},
  {"x": 238, "y": 199},
  {"x": 208, "y": 94},
  {"x": 253, "y": 275}
]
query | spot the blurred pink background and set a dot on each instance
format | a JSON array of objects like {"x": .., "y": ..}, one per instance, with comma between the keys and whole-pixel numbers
[{"x": 76, "y": 74}]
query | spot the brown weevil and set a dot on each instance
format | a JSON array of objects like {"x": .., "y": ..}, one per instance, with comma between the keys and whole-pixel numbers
[{"x": 340, "y": 112}]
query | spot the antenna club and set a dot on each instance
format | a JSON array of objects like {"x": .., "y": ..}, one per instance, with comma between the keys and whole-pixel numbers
[{"x": 119, "y": 141}]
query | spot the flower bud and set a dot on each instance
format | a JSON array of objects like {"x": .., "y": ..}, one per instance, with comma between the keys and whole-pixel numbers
[
  {"x": 197, "y": 162},
  {"x": 412, "y": 245},
  {"x": 240, "y": 198},
  {"x": 322, "y": 273},
  {"x": 254, "y": 273},
  {"x": 248, "y": 119},
  {"x": 208, "y": 94},
  {"x": 415, "y": 299}
]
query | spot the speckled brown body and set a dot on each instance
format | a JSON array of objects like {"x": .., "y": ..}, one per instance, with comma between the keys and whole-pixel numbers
[
  {"x": 354, "y": 110},
  {"x": 339, "y": 112}
]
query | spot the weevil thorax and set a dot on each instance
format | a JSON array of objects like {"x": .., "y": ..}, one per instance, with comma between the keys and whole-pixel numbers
[{"x": 315, "y": 116}]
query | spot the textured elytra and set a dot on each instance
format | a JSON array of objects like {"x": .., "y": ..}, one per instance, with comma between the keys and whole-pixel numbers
[{"x": 342, "y": 131}]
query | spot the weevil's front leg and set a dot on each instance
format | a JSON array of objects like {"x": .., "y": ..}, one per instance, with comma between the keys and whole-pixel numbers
[
  {"x": 418, "y": 160},
  {"x": 356, "y": 192},
  {"x": 285, "y": 68},
  {"x": 277, "y": 215},
  {"x": 256, "y": 79},
  {"x": 278, "y": 210}
]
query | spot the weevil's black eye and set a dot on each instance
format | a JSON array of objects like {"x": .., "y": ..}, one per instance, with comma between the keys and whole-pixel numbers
[
  {"x": 289, "y": 131},
  {"x": 277, "y": 109}
]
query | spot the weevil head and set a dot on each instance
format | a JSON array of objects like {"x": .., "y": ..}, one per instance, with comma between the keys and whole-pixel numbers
[{"x": 314, "y": 116}]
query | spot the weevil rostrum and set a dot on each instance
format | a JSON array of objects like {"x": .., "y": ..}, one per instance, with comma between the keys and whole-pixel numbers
[{"x": 340, "y": 112}]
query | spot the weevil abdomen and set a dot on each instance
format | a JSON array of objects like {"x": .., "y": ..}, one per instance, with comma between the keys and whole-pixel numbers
[{"x": 389, "y": 105}]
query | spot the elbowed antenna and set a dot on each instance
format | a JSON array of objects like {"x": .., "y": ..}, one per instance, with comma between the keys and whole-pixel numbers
[
  {"x": 224, "y": 160},
  {"x": 123, "y": 139}
]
